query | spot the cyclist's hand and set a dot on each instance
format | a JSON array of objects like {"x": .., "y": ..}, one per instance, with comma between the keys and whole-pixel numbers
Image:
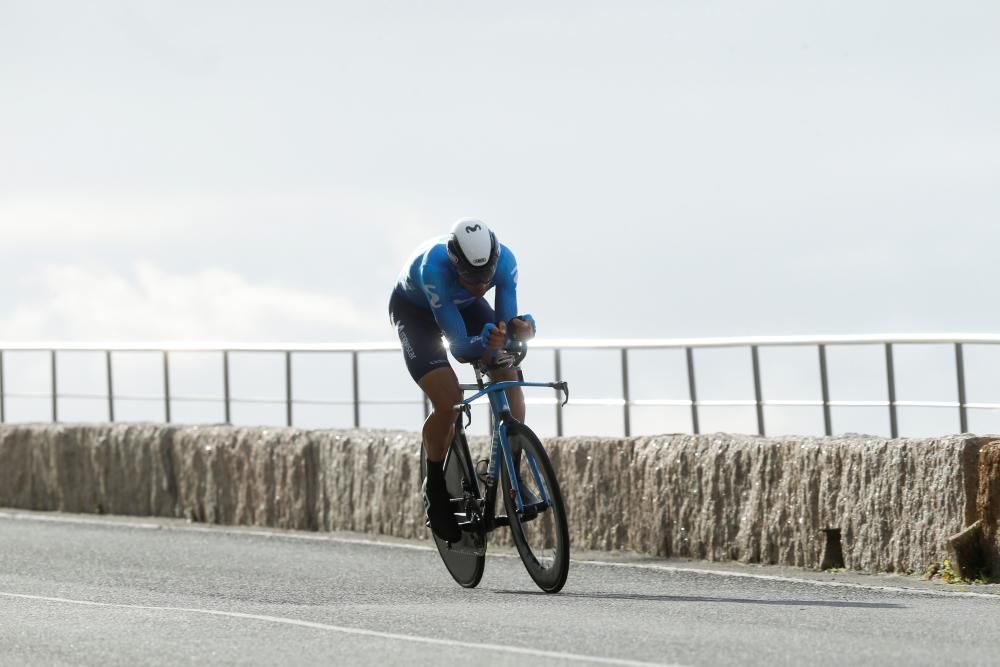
[
  {"x": 495, "y": 337},
  {"x": 498, "y": 336},
  {"x": 523, "y": 327}
]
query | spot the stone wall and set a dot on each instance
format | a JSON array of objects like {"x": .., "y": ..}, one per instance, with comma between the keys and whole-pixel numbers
[
  {"x": 762, "y": 500},
  {"x": 892, "y": 503},
  {"x": 362, "y": 480},
  {"x": 988, "y": 505}
]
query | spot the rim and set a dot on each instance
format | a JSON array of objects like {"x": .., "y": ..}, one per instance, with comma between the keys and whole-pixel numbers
[{"x": 539, "y": 524}]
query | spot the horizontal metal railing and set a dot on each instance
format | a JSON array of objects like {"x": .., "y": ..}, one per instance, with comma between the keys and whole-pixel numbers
[{"x": 623, "y": 346}]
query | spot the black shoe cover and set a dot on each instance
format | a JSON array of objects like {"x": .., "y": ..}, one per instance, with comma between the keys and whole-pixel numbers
[{"x": 439, "y": 513}]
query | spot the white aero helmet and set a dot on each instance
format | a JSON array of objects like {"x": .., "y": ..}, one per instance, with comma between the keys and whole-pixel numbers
[{"x": 473, "y": 250}]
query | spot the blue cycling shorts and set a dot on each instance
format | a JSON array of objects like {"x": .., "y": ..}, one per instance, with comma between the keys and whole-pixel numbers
[{"x": 420, "y": 335}]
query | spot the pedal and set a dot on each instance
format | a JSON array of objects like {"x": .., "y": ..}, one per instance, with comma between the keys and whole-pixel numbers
[{"x": 531, "y": 512}]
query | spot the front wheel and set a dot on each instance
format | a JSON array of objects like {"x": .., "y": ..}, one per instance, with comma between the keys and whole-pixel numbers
[{"x": 539, "y": 529}]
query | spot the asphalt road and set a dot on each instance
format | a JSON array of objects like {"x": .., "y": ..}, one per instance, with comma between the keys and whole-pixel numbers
[{"x": 77, "y": 590}]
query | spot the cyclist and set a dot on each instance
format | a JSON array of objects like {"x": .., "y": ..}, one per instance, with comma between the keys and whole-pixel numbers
[{"x": 440, "y": 292}]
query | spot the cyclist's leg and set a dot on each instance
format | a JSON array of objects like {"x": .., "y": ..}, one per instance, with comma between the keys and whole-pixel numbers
[
  {"x": 515, "y": 396},
  {"x": 427, "y": 362},
  {"x": 441, "y": 387},
  {"x": 428, "y": 365},
  {"x": 476, "y": 316}
]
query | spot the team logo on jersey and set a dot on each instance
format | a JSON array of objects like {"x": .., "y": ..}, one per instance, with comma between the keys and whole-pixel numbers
[
  {"x": 407, "y": 346},
  {"x": 433, "y": 297},
  {"x": 474, "y": 228}
]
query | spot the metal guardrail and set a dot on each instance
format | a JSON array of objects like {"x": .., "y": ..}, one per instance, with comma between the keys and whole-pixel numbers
[{"x": 753, "y": 344}]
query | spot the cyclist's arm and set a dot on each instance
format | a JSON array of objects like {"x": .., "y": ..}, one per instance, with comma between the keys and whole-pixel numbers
[
  {"x": 506, "y": 298},
  {"x": 505, "y": 301},
  {"x": 463, "y": 347}
]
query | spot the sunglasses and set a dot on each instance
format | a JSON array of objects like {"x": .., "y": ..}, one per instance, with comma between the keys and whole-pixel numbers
[{"x": 477, "y": 277}]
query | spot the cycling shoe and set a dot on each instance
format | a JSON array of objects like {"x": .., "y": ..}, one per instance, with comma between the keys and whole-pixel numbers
[{"x": 439, "y": 514}]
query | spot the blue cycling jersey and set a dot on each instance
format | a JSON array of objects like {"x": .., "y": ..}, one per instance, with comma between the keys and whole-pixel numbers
[{"x": 429, "y": 281}]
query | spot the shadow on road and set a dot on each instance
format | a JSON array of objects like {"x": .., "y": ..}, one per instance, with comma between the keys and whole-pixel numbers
[{"x": 699, "y": 598}]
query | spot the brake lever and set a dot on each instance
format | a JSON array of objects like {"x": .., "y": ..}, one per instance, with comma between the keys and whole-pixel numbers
[{"x": 564, "y": 388}]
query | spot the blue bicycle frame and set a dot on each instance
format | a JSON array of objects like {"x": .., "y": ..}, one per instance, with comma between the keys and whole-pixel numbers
[{"x": 500, "y": 407}]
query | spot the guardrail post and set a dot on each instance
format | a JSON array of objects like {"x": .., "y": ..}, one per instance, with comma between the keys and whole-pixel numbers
[
  {"x": 963, "y": 417},
  {"x": 3, "y": 416},
  {"x": 559, "y": 407},
  {"x": 691, "y": 390},
  {"x": 354, "y": 382},
  {"x": 625, "y": 393},
  {"x": 890, "y": 375},
  {"x": 288, "y": 387},
  {"x": 166, "y": 386},
  {"x": 756, "y": 389},
  {"x": 111, "y": 390},
  {"x": 55, "y": 390},
  {"x": 225, "y": 383},
  {"x": 824, "y": 383}
]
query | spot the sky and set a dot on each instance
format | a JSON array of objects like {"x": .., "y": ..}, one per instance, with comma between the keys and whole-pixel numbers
[{"x": 248, "y": 171}]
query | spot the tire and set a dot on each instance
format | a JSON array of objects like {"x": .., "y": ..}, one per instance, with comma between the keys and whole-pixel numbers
[
  {"x": 466, "y": 559},
  {"x": 540, "y": 533}
]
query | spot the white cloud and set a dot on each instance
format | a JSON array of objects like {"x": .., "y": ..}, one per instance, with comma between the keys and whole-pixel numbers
[{"x": 80, "y": 303}]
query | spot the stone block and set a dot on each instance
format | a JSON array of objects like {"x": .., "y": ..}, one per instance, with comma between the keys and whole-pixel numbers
[{"x": 988, "y": 504}]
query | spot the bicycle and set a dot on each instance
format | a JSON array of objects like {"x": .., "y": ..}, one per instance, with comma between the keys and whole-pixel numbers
[{"x": 531, "y": 497}]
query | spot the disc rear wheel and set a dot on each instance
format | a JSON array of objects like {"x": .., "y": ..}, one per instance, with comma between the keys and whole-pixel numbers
[{"x": 465, "y": 559}]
